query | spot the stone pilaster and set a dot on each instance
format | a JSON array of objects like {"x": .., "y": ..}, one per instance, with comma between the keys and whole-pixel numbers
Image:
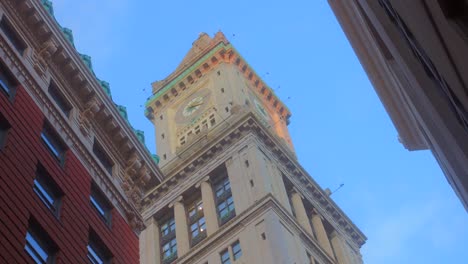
[
  {"x": 321, "y": 234},
  {"x": 182, "y": 235},
  {"x": 341, "y": 255},
  {"x": 300, "y": 211},
  {"x": 150, "y": 248},
  {"x": 209, "y": 206}
]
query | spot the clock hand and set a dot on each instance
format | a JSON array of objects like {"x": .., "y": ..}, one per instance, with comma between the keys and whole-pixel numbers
[{"x": 195, "y": 105}]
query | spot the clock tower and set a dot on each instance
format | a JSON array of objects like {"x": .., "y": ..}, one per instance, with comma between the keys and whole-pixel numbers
[
  {"x": 186, "y": 105},
  {"x": 233, "y": 188}
]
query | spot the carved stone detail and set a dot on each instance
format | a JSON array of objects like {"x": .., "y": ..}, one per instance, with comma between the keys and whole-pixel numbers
[{"x": 85, "y": 117}]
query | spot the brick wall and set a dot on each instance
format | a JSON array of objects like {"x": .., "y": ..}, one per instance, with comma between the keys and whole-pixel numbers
[{"x": 18, "y": 202}]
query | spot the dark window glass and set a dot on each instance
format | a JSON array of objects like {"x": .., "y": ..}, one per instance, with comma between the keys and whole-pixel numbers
[
  {"x": 102, "y": 157},
  {"x": 53, "y": 143},
  {"x": 7, "y": 82},
  {"x": 98, "y": 253},
  {"x": 39, "y": 245},
  {"x": 4, "y": 127},
  {"x": 47, "y": 190},
  {"x": 12, "y": 35},
  {"x": 169, "y": 250},
  {"x": 224, "y": 200},
  {"x": 223, "y": 187},
  {"x": 236, "y": 250},
  {"x": 168, "y": 241},
  {"x": 101, "y": 204},
  {"x": 197, "y": 221},
  {"x": 225, "y": 259},
  {"x": 59, "y": 99},
  {"x": 168, "y": 227}
]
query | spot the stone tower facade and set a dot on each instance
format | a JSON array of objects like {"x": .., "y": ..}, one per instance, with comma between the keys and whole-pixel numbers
[{"x": 233, "y": 191}]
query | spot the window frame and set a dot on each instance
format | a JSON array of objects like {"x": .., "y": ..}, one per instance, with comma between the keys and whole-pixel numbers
[
  {"x": 235, "y": 254},
  {"x": 13, "y": 35},
  {"x": 223, "y": 254},
  {"x": 102, "y": 156},
  {"x": 4, "y": 130},
  {"x": 97, "y": 249},
  {"x": 168, "y": 240},
  {"x": 8, "y": 82},
  {"x": 37, "y": 239},
  {"x": 59, "y": 99},
  {"x": 101, "y": 204},
  {"x": 224, "y": 200},
  {"x": 54, "y": 143},
  {"x": 197, "y": 221},
  {"x": 45, "y": 187}
]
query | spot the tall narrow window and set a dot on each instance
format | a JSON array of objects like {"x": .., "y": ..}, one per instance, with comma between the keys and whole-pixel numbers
[
  {"x": 224, "y": 200},
  {"x": 12, "y": 36},
  {"x": 59, "y": 99},
  {"x": 236, "y": 250},
  {"x": 168, "y": 241},
  {"x": 53, "y": 143},
  {"x": 101, "y": 204},
  {"x": 225, "y": 258},
  {"x": 39, "y": 245},
  {"x": 47, "y": 190},
  {"x": 197, "y": 221},
  {"x": 98, "y": 253},
  {"x": 102, "y": 157},
  {"x": 7, "y": 82},
  {"x": 4, "y": 127}
]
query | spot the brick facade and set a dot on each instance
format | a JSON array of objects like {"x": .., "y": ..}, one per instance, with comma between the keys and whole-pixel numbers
[{"x": 18, "y": 202}]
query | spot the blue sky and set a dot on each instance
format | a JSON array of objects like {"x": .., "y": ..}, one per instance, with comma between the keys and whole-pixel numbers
[{"x": 341, "y": 131}]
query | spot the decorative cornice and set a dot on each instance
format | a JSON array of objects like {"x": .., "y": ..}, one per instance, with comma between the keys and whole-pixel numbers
[
  {"x": 219, "y": 51},
  {"x": 181, "y": 174}
]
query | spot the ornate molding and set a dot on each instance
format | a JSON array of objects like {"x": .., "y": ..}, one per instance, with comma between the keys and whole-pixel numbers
[
  {"x": 241, "y": 128},
  {"x": 87, "y": 115},
  {"x": 219, "y": 50}
]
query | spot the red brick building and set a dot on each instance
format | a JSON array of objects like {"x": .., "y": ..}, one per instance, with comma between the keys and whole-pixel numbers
[{"x": 72, "y": 169}]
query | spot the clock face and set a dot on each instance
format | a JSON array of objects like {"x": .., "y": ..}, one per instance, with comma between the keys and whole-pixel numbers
[{"x": 192, "y": 106}]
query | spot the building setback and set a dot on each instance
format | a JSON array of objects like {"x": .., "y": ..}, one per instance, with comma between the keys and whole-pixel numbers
[
  {"x": 72, "y": 169},
  {"x": 415, "y": 54},
  {"x": 233, "y": 190}
]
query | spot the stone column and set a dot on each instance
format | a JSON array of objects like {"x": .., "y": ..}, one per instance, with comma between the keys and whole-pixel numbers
[
  {"x": 321, "y": 234},
  {"x": 300, "y": 211},
  {"x": 209, "y": 206},
  {"x": 340, "y": 252},
  {"x": 182, "y": 236},
  {"x": 150, "y": 248}
]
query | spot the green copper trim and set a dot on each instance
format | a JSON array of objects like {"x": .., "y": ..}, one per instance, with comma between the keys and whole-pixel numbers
[
  {"x": 87, "y": 61},
  {"x": 140, "y": 135},
  {"x": 68, "y": 35},
  {"x": 155, "y": 158},
  {"x": 122, "y": 111},
  {"x": 158, "y": 94},
  {"x": 183, "y": 74},
  {"x": 105, "y": 86},
  {"x": 48, "y": 6}
]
